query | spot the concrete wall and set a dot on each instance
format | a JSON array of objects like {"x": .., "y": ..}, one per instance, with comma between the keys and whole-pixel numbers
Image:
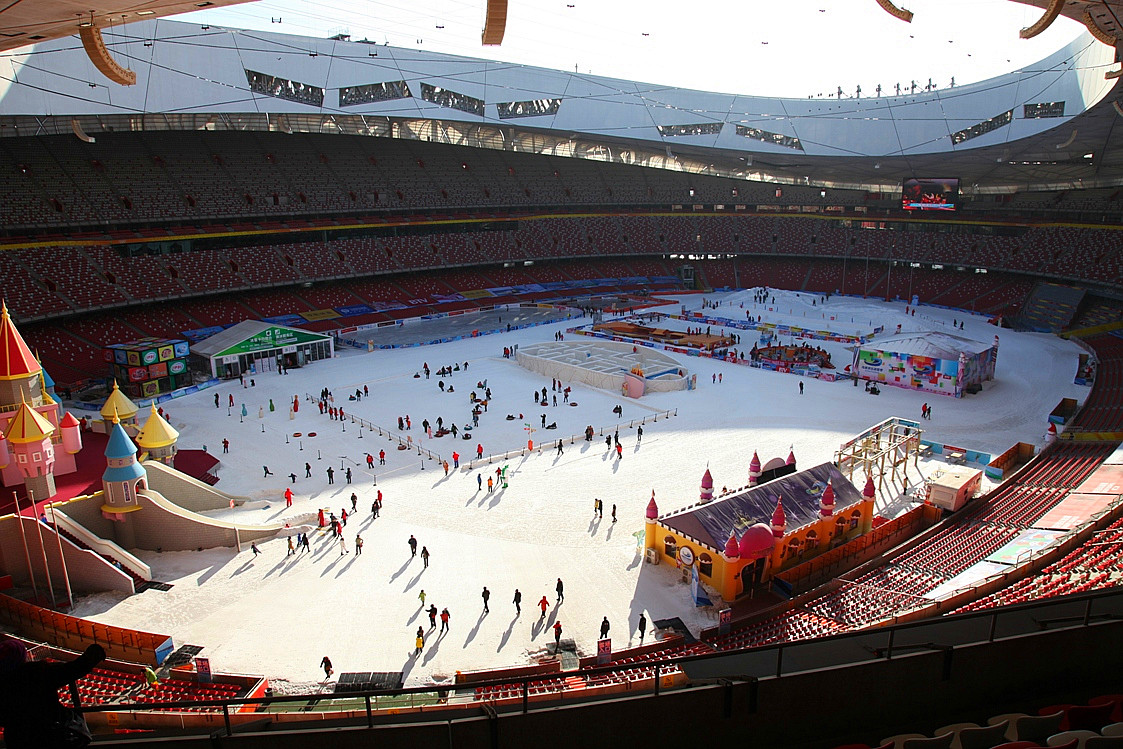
[
  {"x": 187, "y": 492},
  {"x": 87, "y": 571},
  {"x": 162, "y": 524}
]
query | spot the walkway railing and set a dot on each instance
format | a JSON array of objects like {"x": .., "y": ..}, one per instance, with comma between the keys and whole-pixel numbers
[
  {"x": 406, "y": 442},
  {"x": 571, "y": 439}
]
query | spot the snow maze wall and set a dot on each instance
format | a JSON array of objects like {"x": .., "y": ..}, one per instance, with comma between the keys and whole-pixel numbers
[{"x": 603, "y": 364}]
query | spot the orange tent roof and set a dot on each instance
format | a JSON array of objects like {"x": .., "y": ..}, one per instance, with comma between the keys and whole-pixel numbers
[{"x": 16, "y": 359}]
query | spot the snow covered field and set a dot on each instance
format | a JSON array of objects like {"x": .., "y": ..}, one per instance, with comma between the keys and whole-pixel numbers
[{"x": 278, "y": 616}]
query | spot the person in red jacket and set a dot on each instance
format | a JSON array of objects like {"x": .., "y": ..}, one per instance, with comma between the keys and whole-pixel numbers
[
  {"x": 543, "y": 604},
  {"x": 479, "y": 451},
  {"x": 557, "y": 635}
]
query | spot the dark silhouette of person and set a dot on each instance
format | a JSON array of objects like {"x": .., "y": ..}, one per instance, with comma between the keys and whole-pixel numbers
[{"x": 29, "y": 706}]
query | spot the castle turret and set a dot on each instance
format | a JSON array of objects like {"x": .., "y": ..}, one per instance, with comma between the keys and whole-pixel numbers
[
  {"x": 869, "y": 494},
  {"x": 1051, "y": 434},
  {"x": 779, "y": 521},
  {"x": 29, "y": 437},
  {"x": 19, "y": 371},
  {"x": 158, "y": 437},
  {"x": 71, "y": 430},
  {"x": 118, "y": 408},
  {"x": 779, "y": 527},
  {"x": 123, "y": 476},
  {"x": 754, "y": 470},
  {"x": 826, "y": 501},
  {"x": 730, "y": 567},
  {"x": 791, "y": 459},
  {"x": 652, "y": 515},
  {"x": 707, "y": 492}
]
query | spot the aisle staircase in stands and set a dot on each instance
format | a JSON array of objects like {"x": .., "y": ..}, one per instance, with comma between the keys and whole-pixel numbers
[{"x": 1050, "y": 308}]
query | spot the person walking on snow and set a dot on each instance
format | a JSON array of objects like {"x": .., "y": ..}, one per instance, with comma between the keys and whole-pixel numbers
[
  {"x": 425, "y": 555},
  {"x": 419, "y": 642},
  {"x": 518, "y": 602},
  {"x": 412, "y": 546},
  {"x": 288, "y": 497},
  {"x": 444, "y": 619},
  {"x": 479, "y": 482},
  {"x": 604, "y": 628},
  {"x": 642, "y": 626},
  {"x": 557, "y": 635},
  {"x": 358, "y": 545},
  {"x": 543, "y": 604},
  {"x": 381, "y": 457},
  {"x": 421, "y": 597},
  {"x": 325, "y": 663},
  {"x": 254, "y": 549},
  {"x": 560, "y": 588},
  {"x": 432, "y": 612},
  {"x": 342, "y": 545},
  {"x": 486, "y": 595},
  {"x": 354, "y": 503}
]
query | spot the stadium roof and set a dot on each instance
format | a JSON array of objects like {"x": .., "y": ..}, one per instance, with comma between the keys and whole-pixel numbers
[
  {"x": 27, "y": 21},
  {"x": 1046, "y": 126}
]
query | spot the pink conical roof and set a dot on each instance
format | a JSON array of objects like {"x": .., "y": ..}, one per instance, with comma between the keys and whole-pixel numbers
[
  {"x": 707, "y": 480},
  {"x": 754, "y": 464},
  {"x": 652, "y": 508},
  {"x": 779, "y": 520},
  {"x": 732, "y": 549},
  {"x": 869, "y": 491},
  {"x": 1052, "y": 428},
  {"x": 828, "y": 495},
  {"x": 68, "y": 420},
  {"x": 791, "y": 458}
]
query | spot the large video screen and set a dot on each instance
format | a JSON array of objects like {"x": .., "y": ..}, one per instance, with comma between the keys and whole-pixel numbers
[{"x": 938, "y": 194}]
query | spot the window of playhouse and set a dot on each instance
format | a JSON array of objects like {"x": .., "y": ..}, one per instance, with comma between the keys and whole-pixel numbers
[
  {"x": 792, "y": 548},
  {"x": 705, "y": 564},
  {"x": 809, "y": 542},
  {"x": 855, "y": 517},
  {"x": 670, "y": 547}
]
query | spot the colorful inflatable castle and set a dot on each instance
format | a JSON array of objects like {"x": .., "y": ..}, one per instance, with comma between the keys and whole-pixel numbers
[{"x": 782, "y": 518}]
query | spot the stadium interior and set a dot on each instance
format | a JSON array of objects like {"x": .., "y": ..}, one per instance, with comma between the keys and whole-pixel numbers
[{"x": 119, "y": 227}]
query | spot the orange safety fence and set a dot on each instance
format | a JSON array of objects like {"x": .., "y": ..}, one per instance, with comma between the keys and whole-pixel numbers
[{"x": 74, "y": 633}]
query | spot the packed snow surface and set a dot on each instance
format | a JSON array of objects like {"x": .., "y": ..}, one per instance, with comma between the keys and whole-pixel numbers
[{"x": 278, "y": 615}]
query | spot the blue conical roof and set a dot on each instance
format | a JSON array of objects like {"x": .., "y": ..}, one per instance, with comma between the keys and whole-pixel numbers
[{"x": 120, "y": 445}]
